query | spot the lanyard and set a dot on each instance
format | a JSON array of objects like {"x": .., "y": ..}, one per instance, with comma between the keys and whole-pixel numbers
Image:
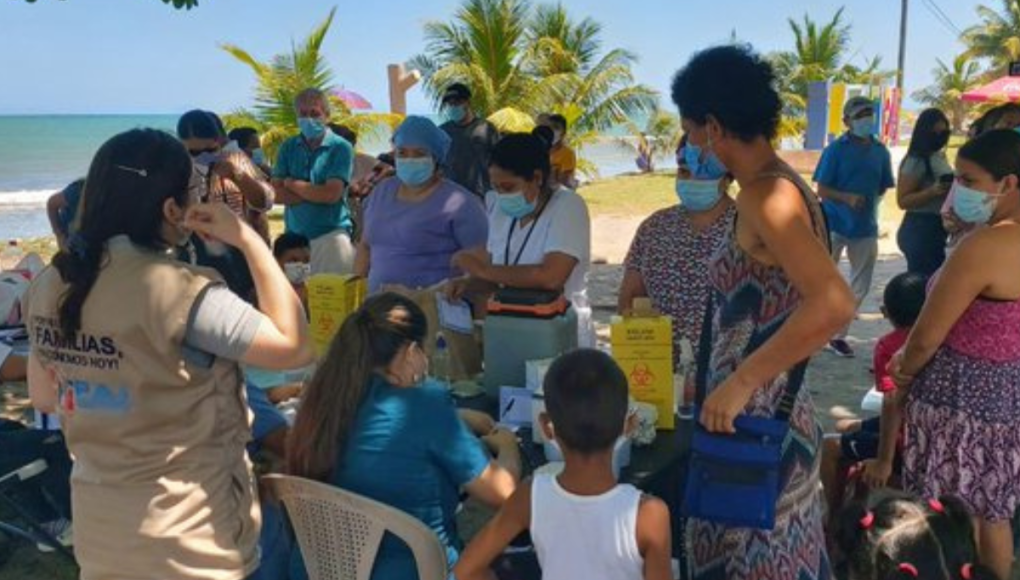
[{"x": 527, "y": 237}]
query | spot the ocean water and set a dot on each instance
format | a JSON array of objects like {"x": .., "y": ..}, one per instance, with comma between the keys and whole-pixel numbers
[{"x": 41, "y": 154}]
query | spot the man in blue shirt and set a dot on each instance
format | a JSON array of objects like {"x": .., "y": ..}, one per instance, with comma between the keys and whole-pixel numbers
[
  {"x": 853, "y": 174},
  {"x": 310, "y": 177}
]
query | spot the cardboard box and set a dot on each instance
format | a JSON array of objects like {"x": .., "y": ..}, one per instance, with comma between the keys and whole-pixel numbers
[
  {"x": 331, "y": 299},
  {"x": 642, "y": 344}
]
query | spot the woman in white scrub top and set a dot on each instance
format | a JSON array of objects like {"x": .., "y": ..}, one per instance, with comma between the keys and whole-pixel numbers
[{"x": 539, "y": 234}]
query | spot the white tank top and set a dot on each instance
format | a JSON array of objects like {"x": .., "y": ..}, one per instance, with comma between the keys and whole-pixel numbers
[{"x": 591, "y": 537}]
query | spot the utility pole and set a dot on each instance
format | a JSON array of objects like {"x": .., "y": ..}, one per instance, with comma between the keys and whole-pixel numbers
[
  {"x": 900, "y": 68},
  {"x": 903, "y": 46}
]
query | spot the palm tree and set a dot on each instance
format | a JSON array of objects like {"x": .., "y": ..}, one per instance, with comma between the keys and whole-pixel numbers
[
  {"x": 279, "y": 81},
  {"x": 482, "y": 46},
  {"x": 521, "y": 61},
  {"x": 949, "y": 85},
  {"x": 997, "y": 37},
  {"x": 659, "y": 137},
  {"x": 870, "y": 74},
  {"x": 559, "y": 45},
  {"x": 817, "y": 53}
]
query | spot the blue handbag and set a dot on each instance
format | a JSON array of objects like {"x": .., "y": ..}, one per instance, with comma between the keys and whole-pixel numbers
[{"x": 736, "y": 479}]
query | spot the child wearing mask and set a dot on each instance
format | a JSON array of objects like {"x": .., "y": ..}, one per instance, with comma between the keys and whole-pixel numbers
[{"x": 293, "y": 253}]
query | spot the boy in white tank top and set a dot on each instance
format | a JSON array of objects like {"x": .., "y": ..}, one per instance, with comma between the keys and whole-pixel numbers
[{"x": 584, "y": 524}]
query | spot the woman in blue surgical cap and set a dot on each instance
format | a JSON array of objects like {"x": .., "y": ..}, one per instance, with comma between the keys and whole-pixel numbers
[{"x": 416, "y": 221}]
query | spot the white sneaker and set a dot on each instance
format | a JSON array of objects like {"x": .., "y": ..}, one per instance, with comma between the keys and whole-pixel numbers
[{"x": 62, "y": 530}]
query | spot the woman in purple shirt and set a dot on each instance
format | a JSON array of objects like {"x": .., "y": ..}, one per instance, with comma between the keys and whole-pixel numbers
[{"x": 415, "y": 222}]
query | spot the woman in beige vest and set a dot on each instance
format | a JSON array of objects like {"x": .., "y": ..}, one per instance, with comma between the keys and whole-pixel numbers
[{"x": 139, "y": 354}]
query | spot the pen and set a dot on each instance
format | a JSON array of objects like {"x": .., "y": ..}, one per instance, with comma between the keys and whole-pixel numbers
[{"x": 509, "y": 406}]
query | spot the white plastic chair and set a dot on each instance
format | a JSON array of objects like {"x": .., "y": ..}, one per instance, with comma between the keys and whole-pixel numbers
[{"x": 339, "y": 532}]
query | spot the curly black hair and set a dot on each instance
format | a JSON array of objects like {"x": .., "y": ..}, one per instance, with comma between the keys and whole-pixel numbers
[{"x": 733, "y": 84}]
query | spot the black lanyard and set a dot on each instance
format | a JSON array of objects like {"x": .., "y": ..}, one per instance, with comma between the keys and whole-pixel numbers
[{"x": 524, "y": 244}]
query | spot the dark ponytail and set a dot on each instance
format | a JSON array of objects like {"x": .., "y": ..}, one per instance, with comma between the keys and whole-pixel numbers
[
  {"x": 130, "y": 178},
  {"x": 367, "y": 341}
]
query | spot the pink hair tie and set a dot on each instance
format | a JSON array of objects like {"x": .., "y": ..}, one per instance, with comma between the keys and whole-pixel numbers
[
  {"x": 967, "y": 571},
  {"x": 936, "y": 506},
  {"x": 908, "y": 569},
  {"x": 867, "y": 521}
]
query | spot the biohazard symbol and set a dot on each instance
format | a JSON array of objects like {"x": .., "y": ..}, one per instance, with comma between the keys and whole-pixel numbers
[
  {"x": 327, "y": 324},
  {"x": 641, "y": 376}
]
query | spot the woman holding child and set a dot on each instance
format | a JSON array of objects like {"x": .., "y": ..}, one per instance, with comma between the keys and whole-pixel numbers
[
  {"x": 960, "y": 369},
  {"x": 140, "y": 352},
  {"x": 776, "y": 297}
]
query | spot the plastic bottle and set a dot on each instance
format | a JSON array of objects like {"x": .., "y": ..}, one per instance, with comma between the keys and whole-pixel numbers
[
  {"x": 11, "y": 256},
  {"x": 441, "y": 361}
]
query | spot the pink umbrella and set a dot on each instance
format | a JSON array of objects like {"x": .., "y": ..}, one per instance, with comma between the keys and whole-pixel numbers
[
  {"x": 1002, "y": 90},
  {"x": 352, "y": 99}
]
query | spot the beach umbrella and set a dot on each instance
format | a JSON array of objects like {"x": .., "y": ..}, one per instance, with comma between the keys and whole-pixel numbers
[
  {"x": 352, "y": 99},
  {"x": 1006, "y": 89}
]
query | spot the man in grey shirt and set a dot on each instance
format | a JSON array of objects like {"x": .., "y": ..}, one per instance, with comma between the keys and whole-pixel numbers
[{"x": 473, "y": 139}]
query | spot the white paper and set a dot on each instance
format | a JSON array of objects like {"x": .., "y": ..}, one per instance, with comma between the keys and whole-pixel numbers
[
  {"x": 514, "y": 406},
  {"x": 455, "y": 316}
]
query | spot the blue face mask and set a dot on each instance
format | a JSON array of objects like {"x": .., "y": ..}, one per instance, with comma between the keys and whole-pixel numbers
[
  {"x": 311, "y": 128},
  {"x": 710, "y": 168},
  {"x": 456, "y": 113},
  {"x": 698, "y": 194},
  {"x": 972, "y": 205},
  {"x": 515, "y": 205},
  {"x": 863, "y": 127},
  {"x": 415, "y": 171},
  {"x": 258, "y": 157}
]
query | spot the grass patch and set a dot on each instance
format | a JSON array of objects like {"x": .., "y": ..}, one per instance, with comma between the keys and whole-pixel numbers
[{"x": 630, "y": 195}]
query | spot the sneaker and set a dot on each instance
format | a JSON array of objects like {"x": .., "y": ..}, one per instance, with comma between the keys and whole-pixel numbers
[
  {"x": 60, "y": 529},
  {"x": 841, "y": 347}
]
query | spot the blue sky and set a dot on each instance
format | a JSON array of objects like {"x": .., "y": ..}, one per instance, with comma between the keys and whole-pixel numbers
[{"x": 140, "y": 56}]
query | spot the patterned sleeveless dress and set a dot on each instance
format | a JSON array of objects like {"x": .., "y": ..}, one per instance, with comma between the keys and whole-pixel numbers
[
  {"x": 752, "y": 301},
  {"x": 963, "y": 414}
]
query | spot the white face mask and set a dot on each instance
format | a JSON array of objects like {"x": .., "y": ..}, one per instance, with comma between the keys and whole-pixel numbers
[{"x": 297, "y": 272}]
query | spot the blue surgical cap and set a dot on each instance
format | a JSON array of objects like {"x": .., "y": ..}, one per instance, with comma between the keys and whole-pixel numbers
[{"x": 418, "y": 131}]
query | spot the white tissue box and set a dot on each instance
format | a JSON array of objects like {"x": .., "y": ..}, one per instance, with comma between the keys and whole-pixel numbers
[{"x": 535, "y": 371}]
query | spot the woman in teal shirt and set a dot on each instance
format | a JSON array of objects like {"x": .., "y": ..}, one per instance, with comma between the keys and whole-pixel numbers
[{"x": 369, "y": 423}]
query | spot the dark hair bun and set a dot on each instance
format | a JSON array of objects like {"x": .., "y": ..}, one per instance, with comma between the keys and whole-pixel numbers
[{"x": 545, "y": 134}]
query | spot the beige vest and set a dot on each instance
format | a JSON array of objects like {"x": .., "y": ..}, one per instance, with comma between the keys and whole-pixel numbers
[{"x": 161, "y": 487}]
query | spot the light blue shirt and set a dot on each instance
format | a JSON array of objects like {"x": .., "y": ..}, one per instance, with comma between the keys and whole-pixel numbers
[
  {"x": 857, "y": 168},
  {"x": 333, "y": 159}
]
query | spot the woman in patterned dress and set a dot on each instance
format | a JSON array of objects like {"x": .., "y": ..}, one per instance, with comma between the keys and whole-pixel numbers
[
  {"x": 776, "y": 298},
  {"x": 960, "y": 368},
  {"x": 667, "y": 258}
]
